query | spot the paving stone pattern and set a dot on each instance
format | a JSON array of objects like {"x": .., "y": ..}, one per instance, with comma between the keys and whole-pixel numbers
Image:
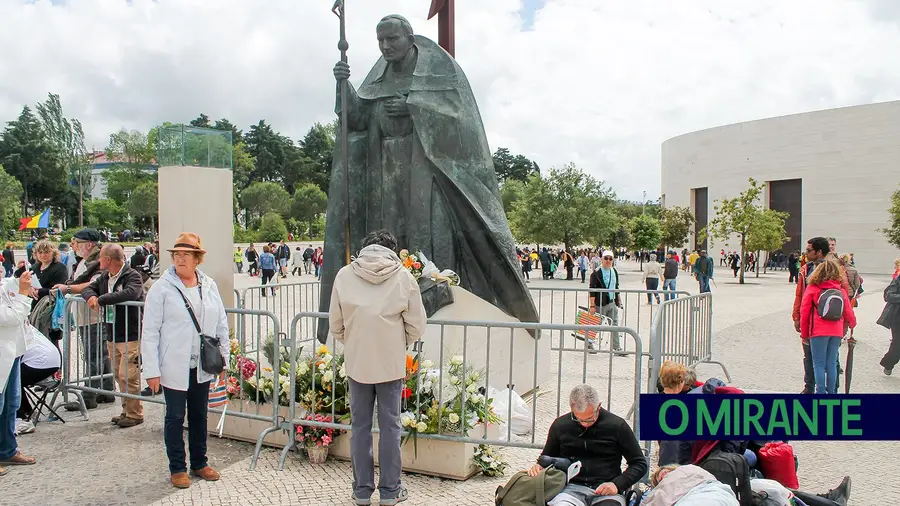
[{"x": 95, "y": 463}]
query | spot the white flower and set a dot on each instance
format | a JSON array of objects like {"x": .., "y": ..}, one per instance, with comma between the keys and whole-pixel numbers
[
  {"x": 495, "y": 464},
  {"x": 322, "y": 367},
  {"x": 327, "y": 377},
  {"x": 342, "y": 372},
  {"x": 327, "y": 358},
  {"x": 476, "y": 398},
  {"x": 454, "y": 418},
  {"x": 252, "y": 381},
  {"x": 302, "y": 368},
  {"x": 472, "y": 388},
  {"x": 454, "y": 380},
  {"x": 427, "y": 364},
  {"x": 406, "y": 419},
  {"x": 456, "y": 360},
  {"x": 421, "y": 426}
]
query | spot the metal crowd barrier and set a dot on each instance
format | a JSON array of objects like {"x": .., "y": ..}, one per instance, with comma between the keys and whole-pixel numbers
[
  {"x": 493, "y": 336},
  {"x": 86, "y": 366},
  {"x": 682, "y": 332},
  {"x": 289, "y": 298}
]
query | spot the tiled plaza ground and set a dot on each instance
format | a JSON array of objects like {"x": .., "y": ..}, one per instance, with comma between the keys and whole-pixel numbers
[{"x": 94, "y": 463}]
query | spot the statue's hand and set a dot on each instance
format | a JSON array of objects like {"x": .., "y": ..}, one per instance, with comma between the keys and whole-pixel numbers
[
  {"x": 341, "y": 71},
  {"x": 397, "y": 106}
]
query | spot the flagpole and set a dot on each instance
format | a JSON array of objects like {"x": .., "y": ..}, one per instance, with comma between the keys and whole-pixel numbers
[{"x": 343, "y": 46}]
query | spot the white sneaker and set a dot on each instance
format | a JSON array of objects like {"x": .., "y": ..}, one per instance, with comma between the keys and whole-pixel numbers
[{"x": 24, "y": 426}]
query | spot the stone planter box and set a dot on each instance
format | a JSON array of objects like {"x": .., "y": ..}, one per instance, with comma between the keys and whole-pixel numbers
[
  {"x": 243, "y": 429},
  {"x": 444, "y": 459}
]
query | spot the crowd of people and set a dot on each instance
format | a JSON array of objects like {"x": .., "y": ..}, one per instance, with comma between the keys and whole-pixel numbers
[
  {"x": 178, "y": 344},
  {"x": 278, "y": 261}
]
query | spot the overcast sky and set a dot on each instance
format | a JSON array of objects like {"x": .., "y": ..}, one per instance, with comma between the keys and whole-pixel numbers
[{"x": 599, "y": 83}]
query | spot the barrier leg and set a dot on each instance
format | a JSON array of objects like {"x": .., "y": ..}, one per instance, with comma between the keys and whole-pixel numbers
[
  {"x": 284, "y": 453},
  {"x": 259, "y": 443},
  {"x": 724, "y": 369}
]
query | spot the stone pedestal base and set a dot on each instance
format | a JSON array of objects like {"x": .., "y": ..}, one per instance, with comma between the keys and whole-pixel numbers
[{"x": 530, "y": 356}]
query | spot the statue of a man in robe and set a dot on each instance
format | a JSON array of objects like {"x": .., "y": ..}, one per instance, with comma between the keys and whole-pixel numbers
[{"x": 420, "y": 167}]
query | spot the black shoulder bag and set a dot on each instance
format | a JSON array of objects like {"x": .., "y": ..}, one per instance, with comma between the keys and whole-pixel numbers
[{"x": 211, "y": 359}]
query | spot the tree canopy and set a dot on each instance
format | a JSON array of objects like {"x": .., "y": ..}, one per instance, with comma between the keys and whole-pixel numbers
[
  {"x": 892, "y": 232},
  {"x": 509, "y": 167},
  {"x": 676, "y": 223}
]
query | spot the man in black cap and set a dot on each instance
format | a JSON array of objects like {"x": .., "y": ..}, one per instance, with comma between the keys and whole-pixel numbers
[{"x": 86, "y": 245}]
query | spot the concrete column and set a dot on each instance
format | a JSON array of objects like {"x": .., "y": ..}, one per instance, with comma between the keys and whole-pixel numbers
[{"x": 199, "y": 200}]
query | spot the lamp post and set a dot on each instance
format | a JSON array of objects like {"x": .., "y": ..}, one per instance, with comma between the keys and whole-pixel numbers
[{"x": 644, "y": 202}]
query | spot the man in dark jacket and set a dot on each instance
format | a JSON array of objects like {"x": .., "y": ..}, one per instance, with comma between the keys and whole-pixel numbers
[
  {"x": 283, "y": 254},
  {"x": 703, "y": 271},
  {"x": 670, "y": 274},
  {"x": 607, "y": 301},
  {"x": 307, "y": 258},
  {"x": 599, "y": 440},
  {"x": 121, "y": 325}
]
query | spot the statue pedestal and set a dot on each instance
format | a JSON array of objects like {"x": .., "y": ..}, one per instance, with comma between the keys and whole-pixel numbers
[
  {"x": 199, "y": 200},
  {"x": 482, "y": 347}
]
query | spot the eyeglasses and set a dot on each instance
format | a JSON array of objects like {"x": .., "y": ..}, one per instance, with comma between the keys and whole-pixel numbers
[
  {"x": 607, "y": 258},
  {"x": 590, "y": 420}
]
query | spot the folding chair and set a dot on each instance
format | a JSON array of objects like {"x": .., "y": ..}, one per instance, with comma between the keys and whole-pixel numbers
[
  {"x": 584, "y": 316},
  {"x": 39, "y": 401}
]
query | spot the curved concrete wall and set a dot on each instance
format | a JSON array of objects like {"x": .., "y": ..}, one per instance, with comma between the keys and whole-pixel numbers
[{"x": 848, "y": 160}]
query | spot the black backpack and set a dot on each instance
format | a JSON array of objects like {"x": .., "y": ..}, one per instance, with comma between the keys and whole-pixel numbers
[
  {"x": 830, "y": 305},
  {"x": 733, "y": 470}
]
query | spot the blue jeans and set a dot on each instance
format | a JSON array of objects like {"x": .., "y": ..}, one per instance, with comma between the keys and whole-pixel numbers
[
  {"x": 196, "y": 400},
  {"x": 10, "y": 400},
  {"x": 7, "y": 270},
  {"x": 704, "y": 282},
  {"x": 669, "y": 284},
  {"x": 824, "y": 357}
]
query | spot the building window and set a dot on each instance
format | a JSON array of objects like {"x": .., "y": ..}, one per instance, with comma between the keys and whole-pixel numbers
[
  {"x": 700, "y": 206},
  {"x": 787, "y": 196}
]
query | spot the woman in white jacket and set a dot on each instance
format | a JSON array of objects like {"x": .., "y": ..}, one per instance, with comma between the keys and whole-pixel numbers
[
  {"x": 170, "y": 350},
  {"x": 15, "y": 332}
]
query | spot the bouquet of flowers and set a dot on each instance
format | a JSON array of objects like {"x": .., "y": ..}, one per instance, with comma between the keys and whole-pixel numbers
[
  {"x": 322, "y": 384},
  {"x": 411, "y": 262},
  {"x": 490, "y": 461},
  {"x": 240, "y": 369},
  {"x": 432, "y": 406},
  {"x": 311, "y": 435},
  {"x": 420, "y": 266}
]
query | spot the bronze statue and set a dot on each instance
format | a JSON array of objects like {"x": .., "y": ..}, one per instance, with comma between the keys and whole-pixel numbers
[{"x": 419, "y": 165}]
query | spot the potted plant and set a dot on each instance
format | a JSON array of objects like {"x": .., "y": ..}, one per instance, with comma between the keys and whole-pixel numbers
[{"x": 316, "y": 439}]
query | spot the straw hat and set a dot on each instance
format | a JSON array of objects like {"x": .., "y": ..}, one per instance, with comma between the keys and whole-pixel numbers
[{"x": 187, "y": 241}]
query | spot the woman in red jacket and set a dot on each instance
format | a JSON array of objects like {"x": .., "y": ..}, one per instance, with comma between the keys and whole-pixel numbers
[{"x": 824, "y": 335}]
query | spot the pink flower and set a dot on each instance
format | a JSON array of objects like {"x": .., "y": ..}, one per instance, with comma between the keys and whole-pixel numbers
[{"x": 326, "y": 440}]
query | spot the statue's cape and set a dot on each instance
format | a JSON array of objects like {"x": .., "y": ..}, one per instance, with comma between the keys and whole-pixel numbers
[{"x": 449, "y": 129}]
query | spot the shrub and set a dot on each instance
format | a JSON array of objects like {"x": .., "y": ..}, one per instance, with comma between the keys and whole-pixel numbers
[{"x": 272, "y": 229}]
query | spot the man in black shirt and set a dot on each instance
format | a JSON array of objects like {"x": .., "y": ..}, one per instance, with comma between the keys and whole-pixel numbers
[{"x": 599, "y": 440}]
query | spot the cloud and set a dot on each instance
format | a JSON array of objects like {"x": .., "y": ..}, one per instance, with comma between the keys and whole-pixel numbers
[{"x": 598, "y": 83}]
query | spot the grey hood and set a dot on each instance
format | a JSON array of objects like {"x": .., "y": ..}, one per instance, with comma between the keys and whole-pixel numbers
[{"x": 376, "y": 264}]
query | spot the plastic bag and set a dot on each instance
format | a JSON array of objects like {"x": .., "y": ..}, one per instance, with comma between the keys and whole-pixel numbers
[
  {"x": 520, "y": 419},
  {"x": 777, "y": 463}
]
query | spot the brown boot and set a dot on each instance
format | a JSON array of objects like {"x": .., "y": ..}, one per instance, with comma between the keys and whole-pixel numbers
[
  {"x": 207, "y": 473},
  {"x": 126, "y": 422},
  {"x": 115, "y": 419},
  {"x": 181, "y": 480}
]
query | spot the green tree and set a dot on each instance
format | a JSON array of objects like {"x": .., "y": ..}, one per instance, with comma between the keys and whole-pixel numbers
[
  {"x": 132, "y": 153},
  {"x": 646, "y": 233},
  {"x": 568, "y": 207},
  {"x": 516, "y": 167},
  {"x": 105, "y": 213},
  {"x": 145, "y": 203},
  {"x": 892, "y": 232},
  {"x": 307, "y": 205},
  {"x": 28, "y": 156},
  {"x": 236, "y": 134},
  {"x": 67, "y": 137},
  {"x": 10, "y": 201},
  {"x": 767, "y": 233},
  {"x": 317, "y": 148},
  {"x": 511, "y": 191},
  {"x": 676, "y": 223},
  {"x": 736, "y": 217},
  {"x": 272, "y": 228},
  {"x": 202, "y": 121},
  {"x": 260, "y": 199}
]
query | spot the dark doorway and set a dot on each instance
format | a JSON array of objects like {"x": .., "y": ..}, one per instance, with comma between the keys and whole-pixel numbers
[
  {"x": 787, "y": 196},
  {"x": 701, "y": 215}
]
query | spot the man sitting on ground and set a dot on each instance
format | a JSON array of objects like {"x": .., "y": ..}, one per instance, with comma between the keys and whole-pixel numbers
[{"x": 599, "y": 440}]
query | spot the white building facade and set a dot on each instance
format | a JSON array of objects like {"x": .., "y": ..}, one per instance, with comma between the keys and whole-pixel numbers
[{"x": 833, "y": 171}]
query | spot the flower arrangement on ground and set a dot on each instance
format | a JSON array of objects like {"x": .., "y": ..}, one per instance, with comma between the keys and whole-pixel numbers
[
  {"x": 490, "y": 461},
  {"x": 315, "y": 439},
  {"x": 454, "y": 404},
  {"x": 322, "y": 386}
]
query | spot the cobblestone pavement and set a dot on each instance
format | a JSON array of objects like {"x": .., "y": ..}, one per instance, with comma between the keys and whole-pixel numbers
[{"x": 94, "y": 463}]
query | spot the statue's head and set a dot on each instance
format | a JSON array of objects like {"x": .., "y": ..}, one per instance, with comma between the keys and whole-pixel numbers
[{"x": 395, "y": 37}]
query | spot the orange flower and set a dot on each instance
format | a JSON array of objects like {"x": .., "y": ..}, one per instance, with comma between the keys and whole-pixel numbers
[
  {"x": 408, "y": 262},
  {"x": 412, "y": 365}
]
